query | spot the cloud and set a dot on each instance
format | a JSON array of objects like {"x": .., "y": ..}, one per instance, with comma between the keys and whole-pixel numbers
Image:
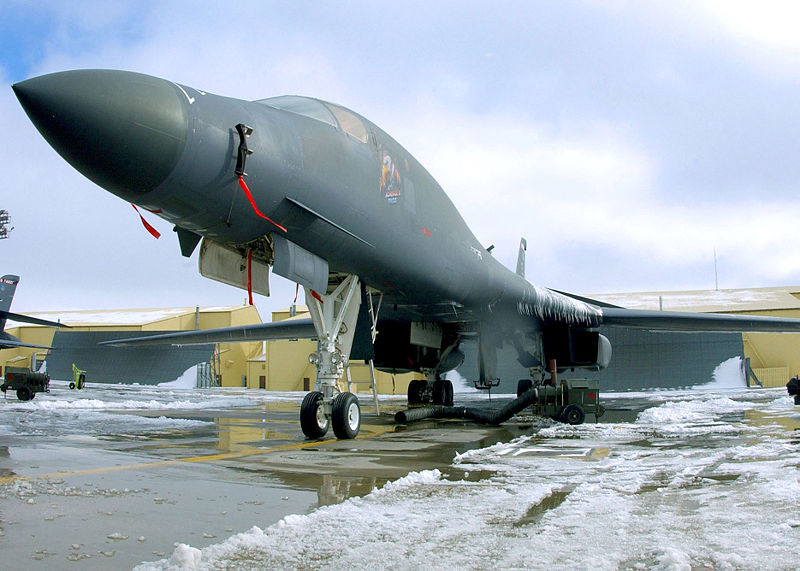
[
  {"x": 771, "y": 23},
  {"x": 593, "y": 189},
  {"x": 763, "y": 34},
  {"x": 624, "y": 141}
]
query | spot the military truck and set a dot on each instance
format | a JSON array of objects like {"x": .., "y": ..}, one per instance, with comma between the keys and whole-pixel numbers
[{"x": 26, "y": 382}]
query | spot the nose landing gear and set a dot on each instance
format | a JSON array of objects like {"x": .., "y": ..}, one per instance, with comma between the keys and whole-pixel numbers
[{"x": 334, "y": 316}]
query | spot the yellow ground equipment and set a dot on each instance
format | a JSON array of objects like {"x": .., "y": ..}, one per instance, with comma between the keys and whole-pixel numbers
[{"x": 78, "y": 378}]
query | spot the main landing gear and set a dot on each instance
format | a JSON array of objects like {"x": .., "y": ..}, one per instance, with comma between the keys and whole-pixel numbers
[
  {"x": 334, "y": 316},
  {"x": 432, "y": 391}
]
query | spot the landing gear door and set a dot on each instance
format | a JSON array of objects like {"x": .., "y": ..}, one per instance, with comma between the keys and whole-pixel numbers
[
  {"x": 299, "y": 265},
  {"x": 229, "y": 266}
]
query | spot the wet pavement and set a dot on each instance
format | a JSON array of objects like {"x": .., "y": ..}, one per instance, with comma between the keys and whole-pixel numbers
[
  {"x": 113, "y": 476},
  {"x": 90, "y": 484}
]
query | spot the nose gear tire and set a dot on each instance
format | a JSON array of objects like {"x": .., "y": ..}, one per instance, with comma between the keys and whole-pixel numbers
[
  {"x": 346, "y": 416},
  {"x": 312, "y": 416}
]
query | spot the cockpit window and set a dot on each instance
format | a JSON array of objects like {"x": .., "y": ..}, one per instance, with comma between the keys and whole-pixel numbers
[
  {"x": 302, "y": 106},
  {"x": 328, "y": 113},
  {"x": 349, "y": 122}
]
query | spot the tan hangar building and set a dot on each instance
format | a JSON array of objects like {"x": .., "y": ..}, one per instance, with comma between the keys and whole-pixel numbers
[
  {"x": 774, "y": 357},
  {"x": 284, "y": 365},
  {"x": 278, "y": 366}
]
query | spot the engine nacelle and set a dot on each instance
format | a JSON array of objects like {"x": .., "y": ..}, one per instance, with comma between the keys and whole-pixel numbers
[{"x": 402, "y": 347}]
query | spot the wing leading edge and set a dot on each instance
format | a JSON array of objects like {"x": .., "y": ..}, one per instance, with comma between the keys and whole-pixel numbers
[
  {"x": 6, "y": 343},
  {"x": 696, "y": 322},
  {"x": 19, "y": 318},
  {"x": 295, "y": 329},
  {"x": 612, "y": 317}
]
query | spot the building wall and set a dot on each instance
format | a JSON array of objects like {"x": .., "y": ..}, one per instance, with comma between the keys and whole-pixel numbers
[
  {"x": 640, "y": 360},
  {"x": 285, "y": 367},
  {"x": 233, "y": 356},
  {"x": 21, "y": 357},
  {"x": 774, "y": 357},
  {"x": 772, "y": 351},
  {"x": 646, "y": 359},
  {"x": 148, "y": 365}
]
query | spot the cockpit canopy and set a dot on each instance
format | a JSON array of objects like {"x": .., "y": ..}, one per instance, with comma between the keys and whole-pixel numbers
[{"x": 329, "y": 113}]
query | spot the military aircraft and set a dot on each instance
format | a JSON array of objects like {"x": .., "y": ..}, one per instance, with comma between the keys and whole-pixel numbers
[
  {"x": 392, "y": 273},
  {"x": 8, "y": 285}
]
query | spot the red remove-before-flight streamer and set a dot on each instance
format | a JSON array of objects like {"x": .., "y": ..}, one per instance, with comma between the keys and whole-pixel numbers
[{"x": 249, "y": 196}]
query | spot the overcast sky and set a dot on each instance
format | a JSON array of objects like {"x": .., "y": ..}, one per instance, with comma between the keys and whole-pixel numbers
[{"x": 625, "y": 140}]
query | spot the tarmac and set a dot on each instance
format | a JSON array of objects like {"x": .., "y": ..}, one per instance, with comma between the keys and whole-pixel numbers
[
  {"x": 116, "y": 475},
  {"x": 76, "y": 496}
]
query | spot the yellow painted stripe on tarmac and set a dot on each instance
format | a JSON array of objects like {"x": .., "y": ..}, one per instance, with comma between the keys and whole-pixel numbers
[{"x": 369, "y": 432}]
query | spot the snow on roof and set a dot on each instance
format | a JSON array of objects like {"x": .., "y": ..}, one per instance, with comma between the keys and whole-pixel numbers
[
  {"x": 117, "y": 316},
  {"x": 726, "y": 300}
]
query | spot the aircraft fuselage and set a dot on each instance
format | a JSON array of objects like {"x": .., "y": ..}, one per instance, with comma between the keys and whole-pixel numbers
[{"x": 340, "y": 186}]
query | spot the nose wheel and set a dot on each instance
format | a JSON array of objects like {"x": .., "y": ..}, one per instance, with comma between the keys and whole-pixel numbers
[
  {"x": 345, "y": 416},
  {"x": 313, "y": 420}
]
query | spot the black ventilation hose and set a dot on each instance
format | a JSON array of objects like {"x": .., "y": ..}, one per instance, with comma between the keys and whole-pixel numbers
[
  {"x": 421, "y": 413},
  {"x": 482, "y": 416}
]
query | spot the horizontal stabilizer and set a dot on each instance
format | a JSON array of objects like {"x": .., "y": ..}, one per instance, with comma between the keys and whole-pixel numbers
[
  {"x": 293, "y": 329},
  {"x": 26, "y": 319},
  {"x": 691, "y": 322}
]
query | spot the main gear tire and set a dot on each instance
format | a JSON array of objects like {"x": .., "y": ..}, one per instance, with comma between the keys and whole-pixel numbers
[
  {"x": 443, "y": 393},
  {"x": 416, "y": 392}
]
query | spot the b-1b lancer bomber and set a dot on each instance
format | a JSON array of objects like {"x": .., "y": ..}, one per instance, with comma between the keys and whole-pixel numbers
[{"x": 392, "y": 273}]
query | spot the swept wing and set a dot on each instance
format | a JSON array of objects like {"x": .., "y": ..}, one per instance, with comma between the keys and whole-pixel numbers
[
  {"x": 294, "y": 329},
  {"x": 27, "y": 319},
  {"x": 689, "y": 322}
]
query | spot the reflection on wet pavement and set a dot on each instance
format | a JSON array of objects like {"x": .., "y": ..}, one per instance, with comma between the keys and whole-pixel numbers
[{"x": 119, "y": 475}]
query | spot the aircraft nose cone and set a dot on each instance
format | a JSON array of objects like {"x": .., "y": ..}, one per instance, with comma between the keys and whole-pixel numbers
[{"x": 124, "y": 131}]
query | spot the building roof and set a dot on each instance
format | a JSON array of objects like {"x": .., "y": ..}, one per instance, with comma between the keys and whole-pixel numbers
[
  {"x": 701, "y": 301},
  {"x": 87, "y": 317}
]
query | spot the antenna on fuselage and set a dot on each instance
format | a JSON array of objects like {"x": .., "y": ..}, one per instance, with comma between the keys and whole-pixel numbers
[{"x": 523, "y": 246}]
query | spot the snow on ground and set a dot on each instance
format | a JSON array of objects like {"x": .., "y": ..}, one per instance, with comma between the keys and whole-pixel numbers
[
  {"x": 90, "y": 423},
  {"x": 699, "y": 480},
  {"x": 110, "y": 409},
  {"x": 188, "y": 380},
  {"x": 460, "y": 384},
  {"x": 727, "y": 375},
  {"x": 106, "y": 408}
]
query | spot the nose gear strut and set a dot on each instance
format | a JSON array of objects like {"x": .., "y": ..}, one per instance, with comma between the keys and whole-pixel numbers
[{"x": 334, "y": 316}]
